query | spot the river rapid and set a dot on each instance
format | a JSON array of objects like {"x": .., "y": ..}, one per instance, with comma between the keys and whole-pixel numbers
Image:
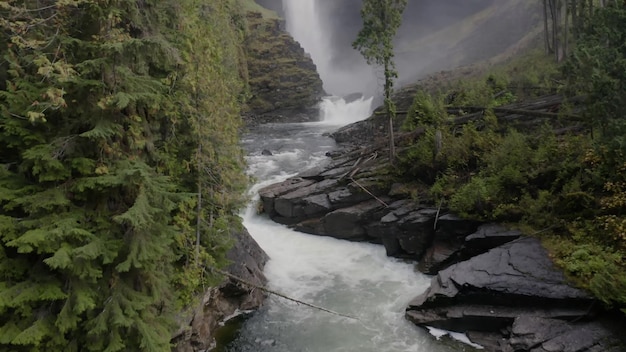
[{"x": 354, "y": 279}]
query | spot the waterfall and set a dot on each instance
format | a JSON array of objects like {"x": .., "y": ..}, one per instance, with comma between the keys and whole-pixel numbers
[
  {"x": 336, "y": 111},
  {"x": 306, "y": 23}
]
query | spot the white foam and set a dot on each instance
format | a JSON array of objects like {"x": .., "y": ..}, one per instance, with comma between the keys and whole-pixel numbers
[
  {"x": 461, "y": 337},
  {"x": 335, "y": 110}
]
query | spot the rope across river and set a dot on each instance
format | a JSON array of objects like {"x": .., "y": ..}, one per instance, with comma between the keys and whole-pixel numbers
[{"x": 264, "y": 289}]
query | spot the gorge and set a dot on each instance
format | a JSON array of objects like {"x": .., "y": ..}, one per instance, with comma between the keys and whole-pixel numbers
[
  {"x": 505, "y": 296},
  {"x": 131, "y": 132}
]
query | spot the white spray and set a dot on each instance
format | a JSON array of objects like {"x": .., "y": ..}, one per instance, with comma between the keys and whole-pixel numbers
[{"x": 306, "y": 23}]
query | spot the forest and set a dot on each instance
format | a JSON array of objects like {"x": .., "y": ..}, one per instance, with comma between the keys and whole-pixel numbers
[
  {"x": 557, "y": 175},
  {"x": 121, "y": 173}
]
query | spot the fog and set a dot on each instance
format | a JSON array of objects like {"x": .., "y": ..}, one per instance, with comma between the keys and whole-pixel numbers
[{"x": 435, "y": 35}]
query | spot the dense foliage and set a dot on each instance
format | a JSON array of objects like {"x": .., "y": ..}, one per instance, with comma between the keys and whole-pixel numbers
[
  {"x": 568, "y": 188},
  {"x": 120, "y": 172}
]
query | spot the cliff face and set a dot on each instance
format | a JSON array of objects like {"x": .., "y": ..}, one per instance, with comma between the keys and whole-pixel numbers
[
  {"x": 283, "y": 79},
  {"x": 198, "y": 325}
]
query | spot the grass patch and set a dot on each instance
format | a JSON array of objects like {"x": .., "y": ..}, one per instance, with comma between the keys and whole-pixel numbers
[{"x": 252, "y": 6}]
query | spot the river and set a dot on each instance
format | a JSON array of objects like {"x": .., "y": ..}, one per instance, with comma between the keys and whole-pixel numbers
[{"x": 355, "y": 279}]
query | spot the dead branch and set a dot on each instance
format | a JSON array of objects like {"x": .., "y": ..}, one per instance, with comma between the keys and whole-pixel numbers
[{"x": 264, "y": 289}]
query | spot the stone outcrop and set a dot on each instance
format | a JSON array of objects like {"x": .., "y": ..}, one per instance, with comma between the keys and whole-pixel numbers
[
  {"x": 199, "y": 323},
  {"x": 490, "y": 282},
  {"x": 284, "y": 83},
  {"x": 346, "y": 200},
  {"x": 512, "y": 298},
  {"x": 350, "y": 198},
  {"x": 495, "y": 287}
]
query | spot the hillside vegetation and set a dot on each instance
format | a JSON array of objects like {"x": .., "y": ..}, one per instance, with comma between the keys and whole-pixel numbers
[
  {"x": 558, "y": 173},
  {"x": 120, "y": 169}
]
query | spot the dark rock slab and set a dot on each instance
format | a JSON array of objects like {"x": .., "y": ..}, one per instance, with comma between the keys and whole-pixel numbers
[
  {"x": 451, "y": 226},
  {"x": 296, "y": 205},
  {"x": 345, "y": 196},
  {"x": 447, "y": 244},
  {"x": 486, "y": 317},
  {"x": 529, "y": 332},
  {"x": 270, "y": 193},
  {"x": 494, "y": 288},
  {"x": 489, "y": 236},
  {"x": 539, "y": 334},
  {"x": 317, "y": 204},
  {"x": 406, "y": 230},
  {"x": 438, "y": 256},
  {"x": 348, "y": 223},
  {"x": 314, "y": 226}
]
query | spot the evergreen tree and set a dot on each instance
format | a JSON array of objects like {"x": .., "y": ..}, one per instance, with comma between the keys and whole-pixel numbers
[
  {"x": 381, "y": 20},
  {"x": 112, "y": 115}
]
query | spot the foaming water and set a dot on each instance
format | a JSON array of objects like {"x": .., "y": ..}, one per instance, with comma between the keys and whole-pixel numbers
[
  {"x": 355, "y": 279},
  {"x": 336, "y": 111}
]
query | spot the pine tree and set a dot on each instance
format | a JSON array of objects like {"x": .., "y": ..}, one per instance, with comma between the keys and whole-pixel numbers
[
  {"x": 381, "y": 20},
  {"x": 112, "y": 115}
]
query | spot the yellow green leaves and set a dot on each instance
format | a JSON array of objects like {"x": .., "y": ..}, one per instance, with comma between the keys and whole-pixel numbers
[{"x": 106, "y": 106}]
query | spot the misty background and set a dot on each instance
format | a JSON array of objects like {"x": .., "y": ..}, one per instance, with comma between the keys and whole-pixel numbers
[{"x": 435, "y": 35}]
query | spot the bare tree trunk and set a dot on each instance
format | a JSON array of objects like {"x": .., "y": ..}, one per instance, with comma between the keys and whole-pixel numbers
[
  {"x": 554, "y": 10},
  {"x": 199, "y": 209},
  {"x": 545, "y": 27},
  {"x": 575, "y": 18},
  {"x": 390, "y": 112},
  {"x": 566, "y": 29}
]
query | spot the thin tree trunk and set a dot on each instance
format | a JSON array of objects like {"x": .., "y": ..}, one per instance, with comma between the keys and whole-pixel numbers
[
  {"x": 199, "y": 208},
  {"x": 388, "y": 102},
  {"x": 566, "y": 29},
  {"x": 575, "y": 18},
  {"x": 545, "y": 27}
]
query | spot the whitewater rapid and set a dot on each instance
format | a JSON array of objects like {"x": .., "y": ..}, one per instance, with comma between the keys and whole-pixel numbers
[{"x": 355, "y": 279}]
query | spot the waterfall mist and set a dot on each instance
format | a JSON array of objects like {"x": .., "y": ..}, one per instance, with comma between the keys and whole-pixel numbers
[
  {"x": 435, "y": 35},
  {"x": 309, "y": 22}
]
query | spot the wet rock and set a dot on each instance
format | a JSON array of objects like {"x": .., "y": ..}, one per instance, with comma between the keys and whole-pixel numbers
[
  {"x": 198, "y": 324},
  {"x": 316, "y": 205},
  {"x": 491, "y": 290},
  {"x": 406, "y": 230},
  {"x": 489, "y": 236},
  {"x": 348, "y": 222},
  {"x": 266, "y": 152},
  {"x": 301, "y": 203},
  {"x": 269, "y": 194},
  {"x": 447, "y": 244},
  {"x": 438, "y": 256},
  {"x": 550, "y": 335}
]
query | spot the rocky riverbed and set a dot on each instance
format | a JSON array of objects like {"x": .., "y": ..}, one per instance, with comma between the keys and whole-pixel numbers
[{"x": 493, "y": 283}]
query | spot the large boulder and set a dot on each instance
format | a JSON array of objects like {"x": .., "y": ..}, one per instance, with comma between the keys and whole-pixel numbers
[
  {"x": 538, "y": 334},
  {"x": 451, "y": 243},
  {"x": 505, "y": 290}
]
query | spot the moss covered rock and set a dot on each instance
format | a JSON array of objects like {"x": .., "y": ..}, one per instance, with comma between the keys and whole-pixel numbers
[{"x": 283, "y": 79}]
